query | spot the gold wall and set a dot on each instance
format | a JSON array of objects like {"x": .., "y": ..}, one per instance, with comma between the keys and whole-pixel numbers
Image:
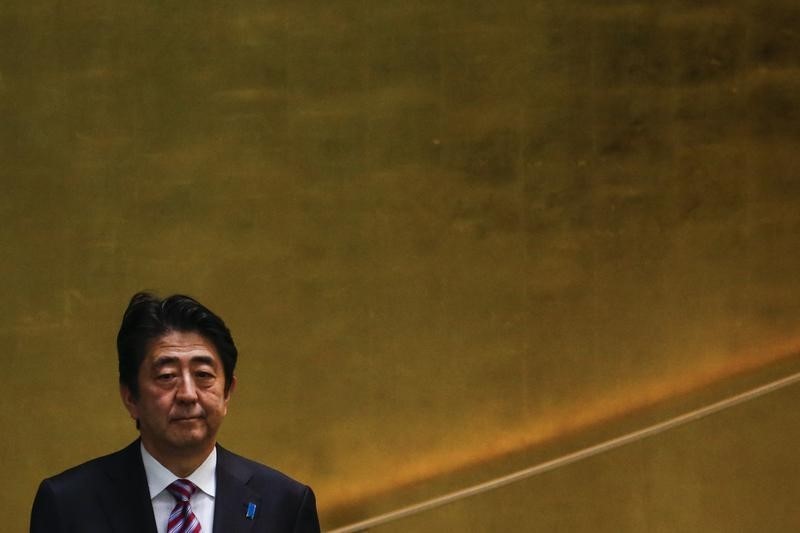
[{"x": 450, "y": 238}]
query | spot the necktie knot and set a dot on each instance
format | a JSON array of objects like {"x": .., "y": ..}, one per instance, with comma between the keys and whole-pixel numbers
[{"x": 182, "y": 489}]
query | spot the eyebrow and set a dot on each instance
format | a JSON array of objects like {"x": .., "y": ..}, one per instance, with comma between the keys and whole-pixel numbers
[{"x": 164, "y": 360}]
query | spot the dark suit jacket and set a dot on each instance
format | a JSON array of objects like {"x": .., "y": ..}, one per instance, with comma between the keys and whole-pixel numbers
[{"x": 110, "y": 494}]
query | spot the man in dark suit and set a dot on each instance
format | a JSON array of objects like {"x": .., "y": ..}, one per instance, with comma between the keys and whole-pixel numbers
[{"x": 176, "y": 368}]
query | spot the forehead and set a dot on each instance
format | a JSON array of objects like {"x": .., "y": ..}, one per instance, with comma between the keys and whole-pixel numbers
[{"x": 181, "y": 344}]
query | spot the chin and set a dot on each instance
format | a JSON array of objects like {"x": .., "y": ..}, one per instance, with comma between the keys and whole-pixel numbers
[{"x": 191, "y": 440}]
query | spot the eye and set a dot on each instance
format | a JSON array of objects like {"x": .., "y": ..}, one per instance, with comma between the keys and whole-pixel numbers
[{"x": 165, "y": 376}]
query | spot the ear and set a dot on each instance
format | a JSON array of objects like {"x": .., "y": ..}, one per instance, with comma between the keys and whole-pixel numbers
[
  {"x": 129, "y": 401},
  {"x": 230, "y": 389}
]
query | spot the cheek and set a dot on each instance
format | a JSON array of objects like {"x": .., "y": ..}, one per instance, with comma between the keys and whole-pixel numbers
[
  {"x": 216, "y": 403},
  {"x": 158, "y": 403}
]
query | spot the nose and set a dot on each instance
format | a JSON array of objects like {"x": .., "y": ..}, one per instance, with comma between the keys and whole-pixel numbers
[{"x": 187, "y": 391}]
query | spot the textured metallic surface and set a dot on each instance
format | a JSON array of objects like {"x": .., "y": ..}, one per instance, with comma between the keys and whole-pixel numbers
[{"x": 441, "y": 232}]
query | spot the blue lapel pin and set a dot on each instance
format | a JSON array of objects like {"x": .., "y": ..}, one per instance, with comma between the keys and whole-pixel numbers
[{"x": 251, "y": 511}]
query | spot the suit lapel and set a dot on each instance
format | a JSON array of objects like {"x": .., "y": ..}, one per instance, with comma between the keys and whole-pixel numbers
[
  {"x": 126, "y": 498},
  {"x": 233, "y": 496}
]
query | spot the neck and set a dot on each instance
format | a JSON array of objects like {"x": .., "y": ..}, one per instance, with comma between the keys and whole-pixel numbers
[{"x": 180, "y": 462}]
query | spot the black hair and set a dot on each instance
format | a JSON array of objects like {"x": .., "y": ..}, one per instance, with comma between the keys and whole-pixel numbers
[{"x": 149, "y": 318}]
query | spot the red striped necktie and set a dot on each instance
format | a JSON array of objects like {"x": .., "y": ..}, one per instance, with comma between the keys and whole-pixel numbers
[{"x": 182, "y": 519}]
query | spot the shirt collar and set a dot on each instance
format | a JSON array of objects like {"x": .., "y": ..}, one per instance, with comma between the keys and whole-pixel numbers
[{"x": 159, "y": 477}]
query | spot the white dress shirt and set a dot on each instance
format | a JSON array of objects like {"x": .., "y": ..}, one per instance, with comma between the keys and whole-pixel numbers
[{"x": 202, "y": 501}]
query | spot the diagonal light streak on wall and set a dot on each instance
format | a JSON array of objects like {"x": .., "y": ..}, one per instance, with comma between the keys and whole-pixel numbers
[
  {"x": 573, "y": 457},
  {"x": 565, "y": 422}
]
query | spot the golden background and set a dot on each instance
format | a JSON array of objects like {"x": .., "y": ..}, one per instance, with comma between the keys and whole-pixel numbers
[{"x": 450, "y": 238}]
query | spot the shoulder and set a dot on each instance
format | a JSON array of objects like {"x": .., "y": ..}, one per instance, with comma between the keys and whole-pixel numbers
[
  {"x": 255, "y": 474},
  {"x": 285, "y": 504},
  {"x": 69, "y": 501},
  {"x": 94, "y": 470}
]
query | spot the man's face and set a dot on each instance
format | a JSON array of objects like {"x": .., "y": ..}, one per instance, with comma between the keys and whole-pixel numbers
[{"x": 182, "y": 400}]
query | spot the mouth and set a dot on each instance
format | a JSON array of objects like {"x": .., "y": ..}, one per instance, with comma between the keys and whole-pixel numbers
[{"x": 186, "y": 418}]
